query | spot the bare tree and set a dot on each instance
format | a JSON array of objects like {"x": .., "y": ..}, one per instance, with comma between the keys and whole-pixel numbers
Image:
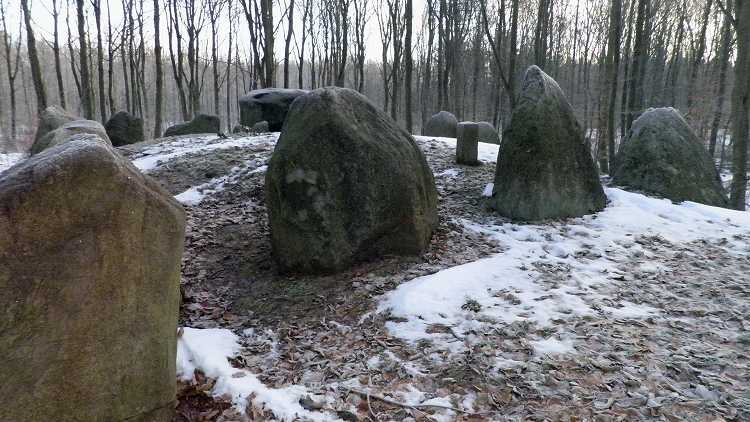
[
  {"x": 87, "y": 103},
  {"x": 214, "y": 12},
  {"x": 725, "y": 50},
  {"x": 408, "y": 66},
  {"x": 159, "y": 85},
  {"x": 288, "y": 41},
  {"x": 266, "y": 13},
  {"x": 36, "y": 71},
  {"x": 11, "y": 65},
  {"x": 606, "y": 148},
  {"x": 56, "y": 52},
  {"x": 96, "y": 4},
  {"x": 740, "y": 105}
]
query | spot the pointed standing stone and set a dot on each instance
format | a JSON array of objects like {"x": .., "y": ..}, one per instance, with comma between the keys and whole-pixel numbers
[{"x": 544, "y": 168}]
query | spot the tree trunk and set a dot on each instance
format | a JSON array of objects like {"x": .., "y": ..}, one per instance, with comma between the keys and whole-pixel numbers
[
  {"x": 11, "y": 68},
  {"x": 606, "y": 150},
  {"x": 725, "y": 50},
  {"x": 740, "y": 106},
  {"x": 36, "y": 71},
  {"x": 86, "y": 101},
  {"x": 56, "y": 52},
  {"x": 640, "y": 58},
  {"x": 159, "y": 73},
  {"x": 100, "y": 59},
  {"x": 266, "y": 10},
  {"x": 408, "y": 65},
  {"x": 288, "y": 42}
]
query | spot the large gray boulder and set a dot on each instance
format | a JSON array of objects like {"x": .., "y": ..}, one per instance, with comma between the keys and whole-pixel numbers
[
  {"x": 269, "y": 104},
  {"x": 50, "y": 119},
  {"x": 443, "y": 124},
  {"x": 487, "y": 133},
  {"x": 467, "y": 144},
  {"x": 664, "y": 157},
  {"x": 123, "y": 128},
  {"x": 202, "y": 123},
  {"x": 544, "y": 168},
  {"x": 345, "y": 183},
  {"x": 90, "y": 253},
  {"x": 68, "y": 131}
]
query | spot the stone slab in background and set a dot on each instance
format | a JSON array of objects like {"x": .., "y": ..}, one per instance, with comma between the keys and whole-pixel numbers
[
  {"x": 269, "y": 104},
  {"x": 202, "y": 123}
]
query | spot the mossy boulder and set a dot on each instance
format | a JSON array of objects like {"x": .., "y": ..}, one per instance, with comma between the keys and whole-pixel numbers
[
  {"x": 664, "y": 157},
  {"x": 345, "y": 183},
  {"x": 202, "y": 123},
  {"x": 269, "y": 104},
  {"x": 90, "y": 253},
  {"x": 68, "y": 131},
  {"x": 487, "y": 133},
  {"x": 544, "y": 167},
  {"x": 261, "y": 127},
  {"x": 50, "y": 119},
  {"x": 467, "y": 144},
  {"x": 123, "y": 128},
  {"x": 443, "y": 124}
]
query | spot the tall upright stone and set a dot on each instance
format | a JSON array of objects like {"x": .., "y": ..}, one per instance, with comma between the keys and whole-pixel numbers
[
  {"x": 664, "y": 157},
  {"x": 544, "y": 167},
  {"x": 269, "y": 104},
  {"x": 345, "y": 183},
  {"x": 443, "y": 124},
  {"x": 467, "y": 144},
  {"x": 90, "y": 253}
]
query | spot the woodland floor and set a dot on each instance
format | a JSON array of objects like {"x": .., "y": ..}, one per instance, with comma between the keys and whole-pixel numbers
[{"x": 683, "y": 354}]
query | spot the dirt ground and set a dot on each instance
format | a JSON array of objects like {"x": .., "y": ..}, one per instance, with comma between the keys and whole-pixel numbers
[{"x": 688, "y": 363}]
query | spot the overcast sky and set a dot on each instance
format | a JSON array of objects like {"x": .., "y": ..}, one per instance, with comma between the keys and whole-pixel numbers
[{"x": 41, "y": 11}]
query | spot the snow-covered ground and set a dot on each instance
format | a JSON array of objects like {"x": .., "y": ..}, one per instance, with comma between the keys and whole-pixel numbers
[
  {"x": 486, "y": 152},
  {"x": 156, "y": 155},
  {"x": 527, "y": 310},
  {"x": 8, "y": 160},
  {"x": 506, "y": 288},
  {"x": 195, "y": 194},
  {"x": 210, "y": 349}
]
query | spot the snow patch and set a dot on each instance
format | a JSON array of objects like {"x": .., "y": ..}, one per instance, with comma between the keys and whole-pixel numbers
[
  {"x": 196, "y": 194},
  {"x": 485, "y": 152},
  {"x": 154, "y": 156},
  {"x": 552, "y": 346},
  {"x": 517, "y": 286},
  {"x": 9, "y": 160},
  {"x": 449, "y": 173},
  {"x": 209, "y": 350},
  {"x": 487, "y": 192}
]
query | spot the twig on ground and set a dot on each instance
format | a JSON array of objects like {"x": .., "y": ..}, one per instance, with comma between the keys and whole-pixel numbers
[{"x": 413, "y": 406}]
